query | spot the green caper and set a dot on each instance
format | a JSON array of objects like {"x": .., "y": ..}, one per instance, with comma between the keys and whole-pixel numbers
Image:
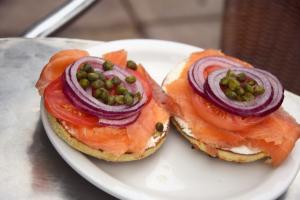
[
  {"x": 107, "y": 65},
  {"x": 111, "y": 100},
  {"x": 116, "y": 80},
  {"x": 130, "y": 79},
  {"x": 241, "y": 77},
  {"x": 88, "y": 68},
  {"x": 239, "y": 98},
  {"x": 251, "y": 82},
  {"x": 137, "y": 96},
  {"x": 104, "y": 95},
  {"x": 230, "y": 74},
  {"x": 109, "y": 84},
  {"x": 240, "y": 91},
  {"x": 121, "y": 89},
  {"x": 97, "y": 93},
  {"x": 230, "y": 94},
  {"x": 92, "y": 76},
  {"x": 159, "y": 127},
  {"x": 119, "y": 99},
  {"x": 84, "y": 83},
  {"x": 128, "y": 99},
  {"x": 81, "y": 74},
  {"x": 247, "y": 96},
  {"x": 258, "y": 90},
  {"x": 101, "y": 76},
  {"x": 97, "y": 84},
  {"x": 249, "y": 88},
  {"x": 131, "y": 65},
  {"x": 224, "y": 81},
  {"x": 233, "y": 84}
]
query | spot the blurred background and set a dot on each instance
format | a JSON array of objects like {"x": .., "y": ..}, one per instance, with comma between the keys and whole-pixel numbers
[
  {"x": 265, "y": 33},
  {"x": 195, "y": 22}
]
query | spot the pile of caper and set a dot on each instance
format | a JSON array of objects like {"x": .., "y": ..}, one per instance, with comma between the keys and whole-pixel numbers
[
  {"x": 107, "y": 90},
  {"x": 240, "y": 87}
]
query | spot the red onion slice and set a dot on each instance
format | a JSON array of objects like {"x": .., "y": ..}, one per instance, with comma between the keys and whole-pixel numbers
[
  {"x": 247, "y": 108},
  {"x": 71, "y": 80},
  {"x": 119, "y": 115},
  {"x": 117, "y": 122},
  {"x": 196, "y": 72},
  {"x": 278, "y": 94}
]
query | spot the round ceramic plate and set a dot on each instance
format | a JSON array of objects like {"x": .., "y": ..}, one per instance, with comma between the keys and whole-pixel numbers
[{"x": 177, "y": 171}]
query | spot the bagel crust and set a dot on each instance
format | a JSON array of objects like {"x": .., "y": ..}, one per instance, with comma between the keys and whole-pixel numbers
[
  {"x": 97, "y": 153},
  {"x": 221, "y": 153}
]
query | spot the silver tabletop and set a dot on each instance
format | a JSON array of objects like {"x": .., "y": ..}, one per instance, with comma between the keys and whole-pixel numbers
[{"x": 30, "y": 168}]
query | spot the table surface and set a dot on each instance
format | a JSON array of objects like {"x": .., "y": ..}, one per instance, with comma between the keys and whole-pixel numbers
[{"x": 30, "y": 166}]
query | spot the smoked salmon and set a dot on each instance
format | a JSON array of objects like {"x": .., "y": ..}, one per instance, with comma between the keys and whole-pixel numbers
[
  {"x": 117, "y": 141},
  {"x": 275, "y": 134},
  {"x": 56, "y": 66}
]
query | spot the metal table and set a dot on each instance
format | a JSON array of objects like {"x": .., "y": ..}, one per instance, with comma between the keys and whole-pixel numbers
[{"x": 30, "y": 168}]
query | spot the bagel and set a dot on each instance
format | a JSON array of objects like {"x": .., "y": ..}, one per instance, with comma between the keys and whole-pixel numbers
[
  {"x": 243, "y": 154},
  {"x": 61, "y": 132}
]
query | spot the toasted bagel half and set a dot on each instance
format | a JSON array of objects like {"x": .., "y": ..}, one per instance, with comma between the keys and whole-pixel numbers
[
  {"x": 224, "y": 154},
  {"x": 221, "y": 153},
  {"x": 100, "y": 154}
]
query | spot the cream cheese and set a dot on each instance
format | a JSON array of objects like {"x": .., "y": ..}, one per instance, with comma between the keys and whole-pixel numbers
[{"x": 154, "y": 140}]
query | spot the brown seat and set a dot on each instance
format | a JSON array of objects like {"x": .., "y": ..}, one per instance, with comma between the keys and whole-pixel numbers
[{"x": 265, "y": 33}]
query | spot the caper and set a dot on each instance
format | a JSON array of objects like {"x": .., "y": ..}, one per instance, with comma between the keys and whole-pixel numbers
[
  {"x": 97, "y": 93},
  {"x": 230, "y": 74},
  {"x": 130, "y": 79},
  {"x": 233, "y": 84},
  {"x": 239, "y": 98},
  {"x": 230, "y": 94},
  {"x": 116, "y": 80},
  {"x": 240, "y": 91},
  {"x": 247, "y": 96},
  {"x": 241, "y": 77},
  {"x": 159, "y": 127},
  {"x": 88, "y": 68},
  {"x": 81, "y": 74},
  {"x": 107, "y": 65},
  {"x": 137, "y": 96},
  {"x": 251, "y": 82},
  {"x": 119, "y": 99},
  {"x": 128, "y": 99},
  {"x": 84, "y": 83},
  {"x": 258, "y": 90},
  {"x": 101, "y": 76},
  {"x": 104, "y": 95},
  {"x": 109, "y": 84},
  {"x": 131, "y": 65},
  {"x": 111, "y": 100},
  {"x": 92, "y": 76},
  {"x": 248, "y": 88},
  {"x": 224, "y": 81},
  {"x": 97, "y": 84},
  {"x": 121, "y": 89}
]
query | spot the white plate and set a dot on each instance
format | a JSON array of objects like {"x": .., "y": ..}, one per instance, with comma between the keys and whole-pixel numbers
[{"x": 176, "y": 171}]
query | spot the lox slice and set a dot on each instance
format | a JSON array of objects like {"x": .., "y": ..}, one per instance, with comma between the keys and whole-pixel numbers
[
  {"x": 275, "y": 134},
  {"x": 82, "y": 126},
  {"x": 57, "y": 65}
]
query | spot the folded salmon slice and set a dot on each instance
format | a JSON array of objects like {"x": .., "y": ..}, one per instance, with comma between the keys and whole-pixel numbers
[
  {"x": 276, "y": 135},
  {"x": 133, "y": 138},
  {"x": 57, "y": 65},
  {"x": 117, "y": 57}
]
